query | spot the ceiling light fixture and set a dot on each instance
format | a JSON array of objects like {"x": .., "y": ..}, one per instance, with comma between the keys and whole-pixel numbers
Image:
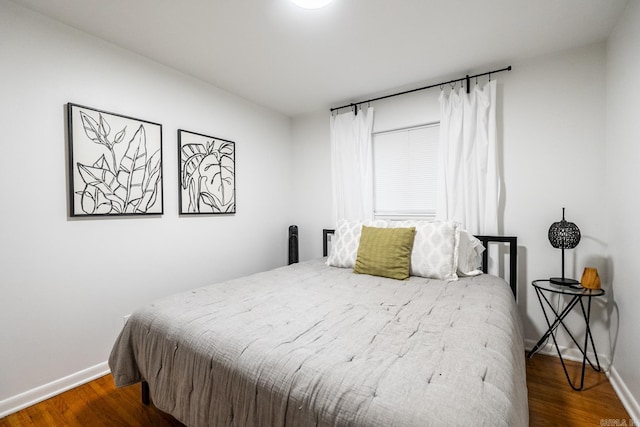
[{"x": 311, "y": 4}]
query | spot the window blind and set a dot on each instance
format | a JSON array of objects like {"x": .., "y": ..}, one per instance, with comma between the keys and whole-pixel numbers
[{"x": 405, "y": 171}]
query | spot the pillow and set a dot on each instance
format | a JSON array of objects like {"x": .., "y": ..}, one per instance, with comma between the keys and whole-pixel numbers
[
  {"x": 441, "y": 250},
  {"x": 345, "y": 242},
  {"x": 435, "y": 250},
  {"x": 385, "y": 252},
  {"x": 469, "y": 254}
]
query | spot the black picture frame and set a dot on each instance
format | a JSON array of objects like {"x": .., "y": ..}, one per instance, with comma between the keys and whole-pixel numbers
[
  {"x": 115, "y": 164},
  {"x": 206, "y": 171}
]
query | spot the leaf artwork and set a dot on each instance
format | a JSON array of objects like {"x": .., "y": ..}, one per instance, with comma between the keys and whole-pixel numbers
[
  {"x": 207, "y": 174},
  {"x": 119, "y": 181}
]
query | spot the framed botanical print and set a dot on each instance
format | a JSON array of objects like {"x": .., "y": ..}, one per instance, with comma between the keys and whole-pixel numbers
[
  {"x": 207, "y": 174},
  {"x": 115, "y": 164}
]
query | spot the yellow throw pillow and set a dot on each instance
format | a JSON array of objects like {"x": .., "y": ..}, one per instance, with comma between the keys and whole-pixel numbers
[{"x": 385, "y": 252}]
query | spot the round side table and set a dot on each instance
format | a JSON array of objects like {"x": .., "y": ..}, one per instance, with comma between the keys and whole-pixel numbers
[{"x": 544, "y": 289}]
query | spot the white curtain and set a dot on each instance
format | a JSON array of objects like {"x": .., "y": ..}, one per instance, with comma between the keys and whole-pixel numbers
[
  {"x": 468, "y": 176},
  {"x": 352, "y": 165}
]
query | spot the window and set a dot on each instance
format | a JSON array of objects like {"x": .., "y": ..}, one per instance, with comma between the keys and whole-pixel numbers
[{"x": 405, "y": 171}]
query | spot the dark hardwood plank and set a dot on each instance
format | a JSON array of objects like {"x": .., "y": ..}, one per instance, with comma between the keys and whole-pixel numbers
[
  {"x": 95, "y": 404},
  {"x": 551, "y": 402}
]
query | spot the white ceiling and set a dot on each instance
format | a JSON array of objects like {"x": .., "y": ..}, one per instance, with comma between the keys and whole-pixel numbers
[{"x": 296, "y": 61}]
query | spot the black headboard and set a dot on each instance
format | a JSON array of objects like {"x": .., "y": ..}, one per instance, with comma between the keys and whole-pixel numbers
[
  {"x": 513, "y": 257},
  {"x": 512, "y": 241}
]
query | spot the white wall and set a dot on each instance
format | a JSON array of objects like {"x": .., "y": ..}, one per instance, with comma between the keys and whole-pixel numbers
[
  {"x": 552, "y": 131},
  {"x": 622, "y": 201},
  {"x": 65, "y": 284},
  {"x": 311, "y": 158}
]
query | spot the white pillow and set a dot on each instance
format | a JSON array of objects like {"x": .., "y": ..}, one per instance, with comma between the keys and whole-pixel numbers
[
  {"x": 469, "y": 254},
  {"x": 345, "y": 242},
  {"x": 435, "y": 248},
  {"x": 441, "y": 250}
]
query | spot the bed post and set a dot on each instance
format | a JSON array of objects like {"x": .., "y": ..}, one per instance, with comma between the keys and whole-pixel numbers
[
  {"x": 145, "y": 393},
  {"x": 293, "y": 244},
  {"x": 326, "y": 232}
]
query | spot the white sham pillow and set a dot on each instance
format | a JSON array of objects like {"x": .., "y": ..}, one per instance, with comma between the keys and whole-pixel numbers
[
  {"x": 435, "y": 248},
  {"x": 346, "y": 240},
  {"x": 470, "y": 251}
]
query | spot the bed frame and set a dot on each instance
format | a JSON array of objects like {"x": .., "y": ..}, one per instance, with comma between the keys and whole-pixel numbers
[
  {"x": 326, "y": 233},
  {"x": 512, "y": 241}
]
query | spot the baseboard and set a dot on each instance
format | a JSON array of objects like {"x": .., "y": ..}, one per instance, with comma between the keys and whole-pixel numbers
[
  {"x": 569, "y": 353},
  {"x": 38, "y": 394},
  {"x": 627, "y": 399}
]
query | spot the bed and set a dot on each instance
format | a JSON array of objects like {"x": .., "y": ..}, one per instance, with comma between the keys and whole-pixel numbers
[{"x": 314, "y": 345}]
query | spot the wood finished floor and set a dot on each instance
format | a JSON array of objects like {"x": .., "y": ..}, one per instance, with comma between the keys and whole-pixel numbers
[{"x": 551, "y": 402}]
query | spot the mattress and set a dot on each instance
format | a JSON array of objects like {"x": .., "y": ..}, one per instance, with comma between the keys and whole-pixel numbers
[{"x": 313, "y": 345}]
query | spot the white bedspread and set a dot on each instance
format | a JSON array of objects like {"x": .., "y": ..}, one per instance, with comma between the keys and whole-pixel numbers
[{"x": 312, "y": 345}]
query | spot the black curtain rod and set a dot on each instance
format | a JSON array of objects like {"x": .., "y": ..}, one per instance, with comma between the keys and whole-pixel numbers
[{"x": 466, "y": 79}]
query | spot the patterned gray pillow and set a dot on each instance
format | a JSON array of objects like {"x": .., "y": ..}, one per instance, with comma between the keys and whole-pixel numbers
[
  {"x": 435, "y": 248},
  {"x": 345, "y": 242}
]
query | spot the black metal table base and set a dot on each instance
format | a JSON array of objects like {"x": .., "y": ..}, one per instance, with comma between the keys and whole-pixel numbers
[{"x": 559, "y": 320}]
